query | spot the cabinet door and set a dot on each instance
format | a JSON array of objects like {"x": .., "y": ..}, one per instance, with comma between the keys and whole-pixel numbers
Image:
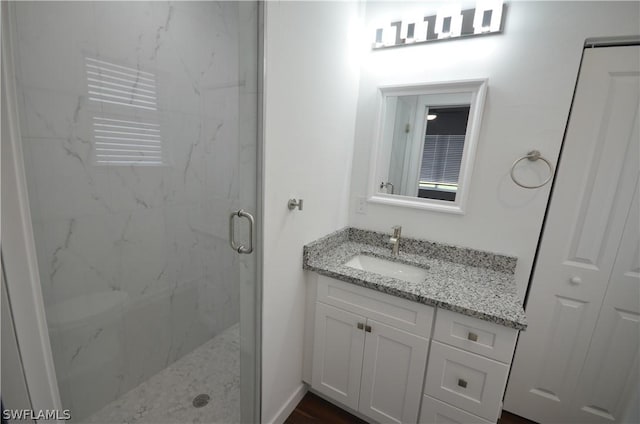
[
  {"x": 474, "y": 335},
  {"x": 337, "y": 354},
  {"x": 436, "y": 412},
  {"x": 470, "y": 382},
  {"x": 392, "y": 374}
]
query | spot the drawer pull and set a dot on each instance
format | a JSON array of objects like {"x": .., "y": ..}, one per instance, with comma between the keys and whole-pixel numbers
[
  {"x": 367, "y": 328},
  {"x": 472, "y": 336},
  {"x": 462, "y": 383},
  {"x": 360, "y": 326}
]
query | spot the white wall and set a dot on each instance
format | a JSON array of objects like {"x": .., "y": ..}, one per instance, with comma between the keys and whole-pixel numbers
[
  {"x": 532, "y": 70},
  {"x": 311, "y": 89}
]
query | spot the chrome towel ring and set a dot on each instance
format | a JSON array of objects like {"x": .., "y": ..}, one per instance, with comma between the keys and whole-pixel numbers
[{"x": 533, "y": 156}]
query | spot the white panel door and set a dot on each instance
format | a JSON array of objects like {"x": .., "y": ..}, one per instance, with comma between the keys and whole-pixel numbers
[
  {"x": 610, "y": 372},
  {"x": 337, "y": 354},
  {"x": 592, "y": 199},
  {"x": 392, "y": 374}
]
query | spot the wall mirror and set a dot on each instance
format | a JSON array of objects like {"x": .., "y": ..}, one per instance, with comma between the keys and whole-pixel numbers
[{"x": 425, "y": 144}]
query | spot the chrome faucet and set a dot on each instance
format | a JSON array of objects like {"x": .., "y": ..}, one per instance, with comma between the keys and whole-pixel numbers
[{"x": 395, "y": 239}]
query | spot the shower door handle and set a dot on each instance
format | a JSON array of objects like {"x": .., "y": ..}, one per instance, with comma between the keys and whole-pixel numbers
[{"x": 232, "y": 234}]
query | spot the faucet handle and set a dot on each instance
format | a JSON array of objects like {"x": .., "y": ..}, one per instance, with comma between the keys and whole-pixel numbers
[{"x": 397, "y": 230}]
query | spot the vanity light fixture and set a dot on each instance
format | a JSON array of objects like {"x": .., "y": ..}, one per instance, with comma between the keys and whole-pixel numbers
[
  {"x": 389, "y": 35},
  {"x": 449, "y": 23},
  {"x": 488, "y": 16},
  {"x": 420, "y": 31},
  {"x": 378, "y": 40},
  {"x": 413, "y": 31}
]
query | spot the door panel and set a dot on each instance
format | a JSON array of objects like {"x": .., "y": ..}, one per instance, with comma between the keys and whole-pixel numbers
[
  {"x": 592, "y": 198},
  {"x": 465, "y": 380},
  {"x": 337, "y": 354},
  {"x": 611, "y": 369},
  {"x": 392, "y": 374},
  {"x": 435, "y": 412}
]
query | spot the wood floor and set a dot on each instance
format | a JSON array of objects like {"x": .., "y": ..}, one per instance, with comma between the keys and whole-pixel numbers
[{"x": 315, "y": 410}]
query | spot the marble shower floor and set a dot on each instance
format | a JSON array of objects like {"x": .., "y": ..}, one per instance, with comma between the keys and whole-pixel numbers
[{"x": 213, "y": 368}]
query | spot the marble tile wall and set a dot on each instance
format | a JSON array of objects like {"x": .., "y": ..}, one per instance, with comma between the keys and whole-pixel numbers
[{"x": 134, "y": 260}]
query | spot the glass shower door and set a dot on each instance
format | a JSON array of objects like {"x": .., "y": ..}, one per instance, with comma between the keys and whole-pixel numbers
[{"x": 138, "y": 124}]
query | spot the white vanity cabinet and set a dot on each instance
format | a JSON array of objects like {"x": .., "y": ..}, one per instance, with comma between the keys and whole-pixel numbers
[
  {"x": 370, "y": 350},
  {"x": 467, "y": 370}
]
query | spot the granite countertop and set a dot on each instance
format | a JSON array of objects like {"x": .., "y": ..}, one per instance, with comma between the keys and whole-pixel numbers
[{"x": 475, "y": 283}]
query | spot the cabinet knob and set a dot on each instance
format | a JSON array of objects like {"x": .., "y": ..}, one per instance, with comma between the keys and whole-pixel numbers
[
  {"x": 575, "y": 280},
  {"x": 367, "y": 328},
  {"x": 472, "y": 336},
  {"x": 360, "y": 326},
  {"x": 462, "y": 383}
]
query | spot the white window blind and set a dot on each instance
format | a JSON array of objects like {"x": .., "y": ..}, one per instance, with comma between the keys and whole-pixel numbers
[{"x": 441, "y": 158}]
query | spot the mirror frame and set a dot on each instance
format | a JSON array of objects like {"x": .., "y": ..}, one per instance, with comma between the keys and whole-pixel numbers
[{"x": 478, "y": 89}]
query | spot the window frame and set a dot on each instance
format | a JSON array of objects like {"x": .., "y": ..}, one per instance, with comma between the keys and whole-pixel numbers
[{"x": 379, "y": 170}]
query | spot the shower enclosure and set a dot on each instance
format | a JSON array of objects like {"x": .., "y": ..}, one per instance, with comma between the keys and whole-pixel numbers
[{"x": 137, "y": 127}]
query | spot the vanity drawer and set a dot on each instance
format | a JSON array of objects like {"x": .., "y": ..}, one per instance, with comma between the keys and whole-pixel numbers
[
  {"x": 475, "y": 335},
  {"x": 413, "y": 317},
  {"x": 465, "y": 380},
  {"x": 436, "y": 412}
]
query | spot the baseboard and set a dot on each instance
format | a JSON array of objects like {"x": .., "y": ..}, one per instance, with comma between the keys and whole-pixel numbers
[{"x": 289, "y": 405}]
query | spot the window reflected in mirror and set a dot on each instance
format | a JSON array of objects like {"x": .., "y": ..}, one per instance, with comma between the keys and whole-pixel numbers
[
  {"x": 425, "y": 145},
  {"x": 442, "y": 152}
]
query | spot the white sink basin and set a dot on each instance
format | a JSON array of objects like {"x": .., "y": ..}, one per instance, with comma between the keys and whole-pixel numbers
[{"x": 387, "y": 268}]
